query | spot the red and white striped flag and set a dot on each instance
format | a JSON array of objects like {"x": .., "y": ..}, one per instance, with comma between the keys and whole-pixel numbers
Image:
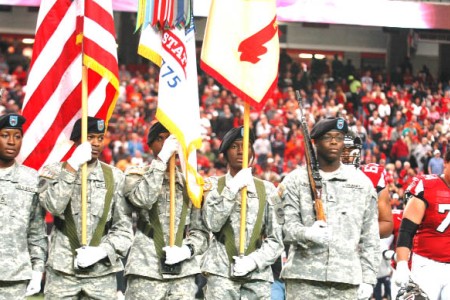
[{"x": 53, "y": 93}]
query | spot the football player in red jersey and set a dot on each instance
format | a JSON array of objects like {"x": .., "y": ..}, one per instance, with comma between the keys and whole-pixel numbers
[
  {"x": 425, "y": 228},
  {"x": 376, "y": 173}
]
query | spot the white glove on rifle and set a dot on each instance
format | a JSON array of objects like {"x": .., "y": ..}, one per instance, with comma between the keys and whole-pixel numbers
[
  {"x": 243, "y": 265},
  {"x": 176, "y": 254},
  {"x": 318, "y": 233},
  {"x": 169, "y": 148},
  {"x": 243, "y": 178},
  {"x": 402, "y": 272},
  {"x": 87, "y": 256},
  {"x": 365, "y": 291},
  {"x": 34, "y": 286},
  {"x": 81, "y": 155}
]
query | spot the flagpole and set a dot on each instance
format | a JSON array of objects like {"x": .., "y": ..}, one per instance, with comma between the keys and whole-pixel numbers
[
  {"x": 84, "y": 112},
  {"x": 245, "y": 144},
  {"x": 84, "y": 115},
  {"x": 172, "y": 200}
]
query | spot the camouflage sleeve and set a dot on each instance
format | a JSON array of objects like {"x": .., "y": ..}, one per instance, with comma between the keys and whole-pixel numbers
[
  {"x": 198, "y": 234},
  {"x": 217, "y": 207},
  {"x": 36, "y": 237},
  {"x": 369, "y": 244},
  {"x": 120, "y": 235},
  {"x": 55, "y": 189},
  {"x": 272, "y": 245},
  {"x": 293, "y": 229},
  {"x": 142, "y": 187}
]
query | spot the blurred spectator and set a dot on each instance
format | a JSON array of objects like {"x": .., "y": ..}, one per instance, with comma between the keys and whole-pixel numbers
[
  {"x": 4, "y": 67},
  {"x": 262, "y": 149},
  {"x": 263, "y": 126},
  {"x": 400, "y": 150},
  {"x": 224, "y": 122},
  {"x": 125, "y": 162},
  {"x": 436, "y": 164},
  {"x": 420, "y": 153},
  {"x": 337, "y": 68},
  {"x": 135, "y": 144}
]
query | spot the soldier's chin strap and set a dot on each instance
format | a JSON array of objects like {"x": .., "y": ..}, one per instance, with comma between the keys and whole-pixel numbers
[{"x": 406, "y": 234}]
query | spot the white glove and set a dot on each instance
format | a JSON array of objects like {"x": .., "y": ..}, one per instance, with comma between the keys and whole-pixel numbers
[
  {"x": 81, "y": 155},
  {"x": 87, "y": 256},
  {"x": 176, "y": 254},
  {"x": 243, "y": 265},
  {"x": 365, "y": 291},
  {"x": 170, "y": 147},
  {"x": 34, "y": 286},
  {"x": 401, "y": 275},
  {"x": 318, "y": 233},
  {"x": 389, "y": 254},
  {"x": 243, "y": 178}
]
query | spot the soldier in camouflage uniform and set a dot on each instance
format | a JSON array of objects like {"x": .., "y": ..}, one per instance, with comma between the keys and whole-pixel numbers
[
  {"x": 230, "y": 276},
  {"x": 150, "y": 268},
  {"x": 24, "y": 243},
  {"x": 88, "y": 272},
  {"x": 339, "y": 258}
]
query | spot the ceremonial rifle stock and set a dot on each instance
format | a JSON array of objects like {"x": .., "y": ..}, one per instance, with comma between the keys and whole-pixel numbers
[{"x": 312, "y": 166}]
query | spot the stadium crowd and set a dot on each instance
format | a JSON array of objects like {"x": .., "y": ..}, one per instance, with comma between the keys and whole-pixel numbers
[{"x": 402, "y": 117}]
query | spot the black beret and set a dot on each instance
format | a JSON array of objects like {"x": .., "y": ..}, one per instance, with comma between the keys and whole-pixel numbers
[
  {"x": 233, "y": 134},
  {"x": 13, "y": 121},
  {"x": 95, "y": 125},
  {"x": 154, "y": 132},
  {"x": 328, "y": 124}
]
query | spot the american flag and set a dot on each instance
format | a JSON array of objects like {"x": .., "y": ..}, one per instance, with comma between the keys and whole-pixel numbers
[{"x": 65, "y": 30}]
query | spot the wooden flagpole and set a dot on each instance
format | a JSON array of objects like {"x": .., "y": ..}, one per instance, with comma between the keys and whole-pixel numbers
[
  {"x": 172, "y": 200},
  {"x": 84, "y": 125},
  {"x": 245, "y": 144},
  {"x": 84, "y": 115}
]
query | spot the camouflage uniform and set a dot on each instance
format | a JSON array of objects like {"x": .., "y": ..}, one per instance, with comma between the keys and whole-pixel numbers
[
  {"x": 215, "y": 265},
  {"x": 147, "y": 186},
  {"x": 352, "y": 255},
  {"x": 22, "y": 230},
  {"x": 57, "y": 187}
]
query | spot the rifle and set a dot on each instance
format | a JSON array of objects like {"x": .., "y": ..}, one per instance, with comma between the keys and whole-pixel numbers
[{"x": 312, "y": 166}]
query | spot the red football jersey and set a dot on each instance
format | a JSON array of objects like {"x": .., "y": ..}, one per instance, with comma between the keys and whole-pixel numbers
[
  {"x": 432, "y": 239},
  {"x": 397, "y": 215},
  {"x": 376, "y": 174}
]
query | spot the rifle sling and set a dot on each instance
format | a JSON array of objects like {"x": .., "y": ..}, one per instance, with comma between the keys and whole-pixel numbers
[
  {"x": 226, "y": 234},
  {"x": 158, "y": 235},
  {"x": 68, "y": 227}
]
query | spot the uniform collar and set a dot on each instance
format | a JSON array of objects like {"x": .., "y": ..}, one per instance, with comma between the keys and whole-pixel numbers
[
  {"x": 338, "y": 175},
  {"x": 9, "y": 173}
]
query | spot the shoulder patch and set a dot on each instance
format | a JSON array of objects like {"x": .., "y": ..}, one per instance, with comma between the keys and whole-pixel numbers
[
  {"x": 279, "y": 212},
  {"x": 207, "y": 186},
  {"x": 47, "y": 173}
]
